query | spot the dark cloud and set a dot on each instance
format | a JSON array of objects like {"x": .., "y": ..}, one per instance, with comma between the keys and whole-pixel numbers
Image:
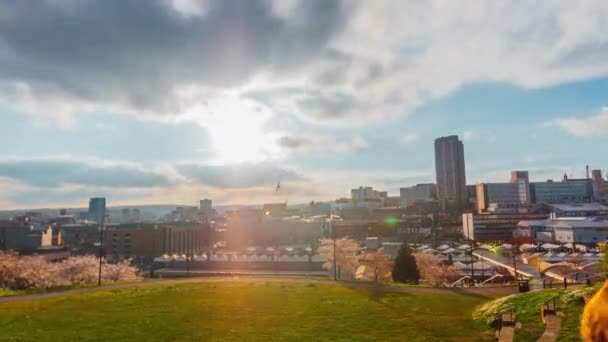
[
  {"x": 133, "y": 53},
  {"x": 237, "y": 176},
  {"x": 56, "y": 173}
]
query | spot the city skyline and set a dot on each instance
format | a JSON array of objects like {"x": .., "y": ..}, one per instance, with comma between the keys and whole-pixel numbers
[{"x": 150, "y": 121}]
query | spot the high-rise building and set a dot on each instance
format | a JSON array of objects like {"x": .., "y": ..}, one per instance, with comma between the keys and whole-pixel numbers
[
  {"x": 450, "y": 171},
  {"x": 97, "y": 209},
  {"x": 126, "y": 214},
  {"x": 418, "y": 193},
  {"x": 205, "y": 204}
]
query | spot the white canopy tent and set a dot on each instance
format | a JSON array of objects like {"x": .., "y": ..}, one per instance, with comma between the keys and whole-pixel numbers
[
  {"x": 527, "y": 247},
  {"x": 549, "y": 246}
]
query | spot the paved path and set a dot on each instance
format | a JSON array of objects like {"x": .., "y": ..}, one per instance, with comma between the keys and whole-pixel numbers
[
  {"x": 552, "y": 328},
  {"x": 506, "y": 334},
  {"x": 508, "y": 328},
  {"x": 489, "y": 292}
]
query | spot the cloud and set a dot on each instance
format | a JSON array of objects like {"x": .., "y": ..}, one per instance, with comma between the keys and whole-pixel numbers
[
  {"x": 238, "y": 175},
  {"x": 323, "y": 144},
  {"x": 65, "y": 181},
  {"x": 332, "y": 61},
  {"x": 467, "y": 135},
  {"x": 405, "y": 178},
  {"x": 57, "y": 172},
  {"x": 154, "y": 50},
  {"x": 596, "y": 124},
  {"x": 409, "y": 138}
]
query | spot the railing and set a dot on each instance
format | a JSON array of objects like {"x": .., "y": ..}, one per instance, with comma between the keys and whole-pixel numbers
[
  {"x": 549, "y": 306},
  {"x": 491, "y": 278},
  {"x": 500, "y": 321},
  {"x": 461, "y": 280}
]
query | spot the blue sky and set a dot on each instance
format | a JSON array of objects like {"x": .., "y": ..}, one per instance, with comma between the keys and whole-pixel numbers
[{"x": 172, "y": 104}]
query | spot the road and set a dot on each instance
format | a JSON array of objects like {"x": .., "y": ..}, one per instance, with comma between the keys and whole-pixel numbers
[{"x": 489, "y": 292}]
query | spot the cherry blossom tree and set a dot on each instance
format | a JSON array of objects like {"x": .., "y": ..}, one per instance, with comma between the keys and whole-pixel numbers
[
  {"x": 19, "y": 272},
  {"x": 375, "y": 266},
  {"x": 119, "y": 271},
  {"x": 346, "y": 254},
  {"x": 432, "y": 271}
]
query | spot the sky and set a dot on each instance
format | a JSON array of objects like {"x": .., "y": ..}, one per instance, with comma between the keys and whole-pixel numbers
[{"x": 172, "y": 101}]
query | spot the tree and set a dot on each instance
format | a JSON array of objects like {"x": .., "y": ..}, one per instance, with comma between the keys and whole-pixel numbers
[
  {"x": 18, "y": 272},
  {"x": 375, "y": 266},
  {"x": 604, "y": 262},
  {"x": 346, "y": 254},
  {"x": 431, "y": 270},
  {"x": 405, "y": 269}
]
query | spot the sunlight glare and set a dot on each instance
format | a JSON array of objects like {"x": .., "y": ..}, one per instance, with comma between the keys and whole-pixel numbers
[{"x": 237, "y": 131}]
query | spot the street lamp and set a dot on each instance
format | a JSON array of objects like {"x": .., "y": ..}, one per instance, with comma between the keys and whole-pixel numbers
[
  {"x": 333, "y": 236},
  {"x": 101, "y": 229}
]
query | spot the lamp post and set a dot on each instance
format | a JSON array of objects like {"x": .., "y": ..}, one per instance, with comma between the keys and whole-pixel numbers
[
  {"x": 333, "y": 235},
  {"x": 330, "y": 230},
  {"x": 471, "y": 256},
  {"x": 101, "y": 229}
]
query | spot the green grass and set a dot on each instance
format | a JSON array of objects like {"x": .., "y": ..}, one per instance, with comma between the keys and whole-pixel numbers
[
  {"x": 244, "y": 311},
  {"x": 526, "y": 308},
  {"x": 7, "y": 292},
  {"x": 10, "y": 292}
]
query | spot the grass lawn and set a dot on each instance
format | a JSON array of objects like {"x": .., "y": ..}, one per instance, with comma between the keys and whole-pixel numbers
[
  {"x": 526, "y": 307},
  {"x": 9, "y": 292},
  {"x": 242, "y": 310}
]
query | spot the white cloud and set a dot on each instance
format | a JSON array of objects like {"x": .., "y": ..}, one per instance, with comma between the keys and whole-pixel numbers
[
  {"x": 409, "y": 138},
  {"x": 467, "y": 135},
  {"x": 323, "y": 144},
  {"x": 596, "y": 124},
  {"x": 344, "y": 63}
]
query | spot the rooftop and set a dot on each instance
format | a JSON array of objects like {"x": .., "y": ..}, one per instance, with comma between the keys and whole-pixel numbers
[
  {"x": 579, "y": 207},
  {"x": 568, "y": 222}
]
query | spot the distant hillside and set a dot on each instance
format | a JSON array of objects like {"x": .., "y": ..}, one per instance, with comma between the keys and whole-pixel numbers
[{"x": 147, "y": 211}]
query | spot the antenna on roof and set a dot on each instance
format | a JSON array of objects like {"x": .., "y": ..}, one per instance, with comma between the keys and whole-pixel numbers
[{"x": 587, "y": 171}]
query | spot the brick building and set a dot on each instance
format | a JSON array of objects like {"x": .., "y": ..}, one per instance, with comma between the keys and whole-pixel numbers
[{"x": 152, "y": 240}]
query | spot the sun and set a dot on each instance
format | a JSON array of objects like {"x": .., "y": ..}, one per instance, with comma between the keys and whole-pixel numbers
[{"x": 238, "y": 132}]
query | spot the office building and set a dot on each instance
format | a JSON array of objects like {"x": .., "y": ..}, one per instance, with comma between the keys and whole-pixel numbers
[
  {"x": 418, "y": 193},
  {"x": 151, "y": 240},
  {"x": 125, "y": 214},
  {"x": 503, "y": 194},
  {"x": 523, "y": 185},
  {"x": 495, "y": 226},
  {"x": 367, "y": 197},
  {"x": 599, "y": 184},
  {"x": 205, "y": 204},
  {"x": 578, "y": 209},
  {"x": 450, "y": 171},
  {"x": 496, "y": 193},
  {"x": 583, "y": 230},
  {"x": 364, "y": 193},
  {"x": 566, "y": 191},
  {"x": 97, "y": 209}
]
